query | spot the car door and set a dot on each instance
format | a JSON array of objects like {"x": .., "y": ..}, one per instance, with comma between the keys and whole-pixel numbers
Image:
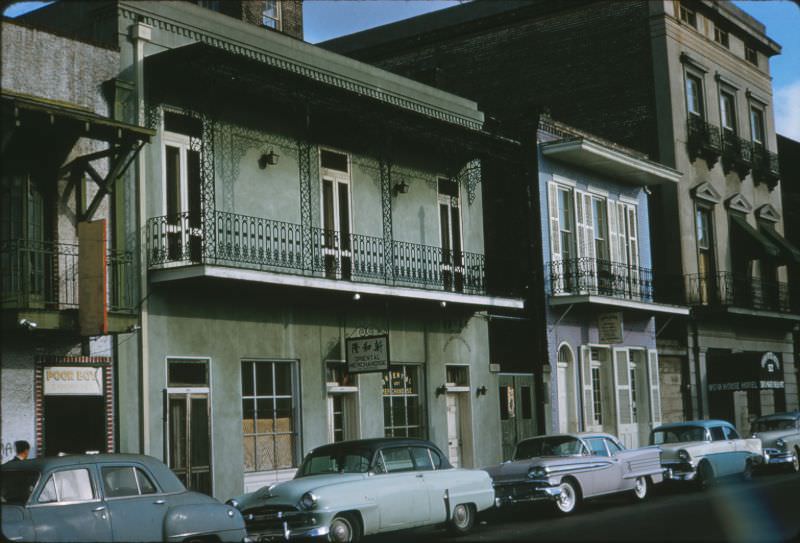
[
  {"x": 722, "y": 452},
  {"x": 401, "y": 494},
  {"x": 739, "y": 460},
  {"x": 135, "y": 505},
  {"x": 68, "y": 507},
  {"x": 605, "y": 478},
  {"x": 628, "y": 460},
  {"x": 437, "y": 481}
]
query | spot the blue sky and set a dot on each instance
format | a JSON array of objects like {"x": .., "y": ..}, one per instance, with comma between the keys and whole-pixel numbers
[{"x": 325, "y": 19}]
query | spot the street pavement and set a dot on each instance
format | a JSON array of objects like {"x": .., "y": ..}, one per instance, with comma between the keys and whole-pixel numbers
[{"x": 764, "y": 509}]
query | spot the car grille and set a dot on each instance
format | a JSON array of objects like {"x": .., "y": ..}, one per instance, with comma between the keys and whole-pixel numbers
[
  {"x": 267, "y": 517},
  {"x": 518, "y": 490}
]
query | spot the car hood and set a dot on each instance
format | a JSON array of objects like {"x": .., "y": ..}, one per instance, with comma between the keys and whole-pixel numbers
[
  {"x": 768, "y": 439},
  {"x": 669, "y": 451},
  {"x": 518, "y": 469},
  {"x": 290, "y": 492}
]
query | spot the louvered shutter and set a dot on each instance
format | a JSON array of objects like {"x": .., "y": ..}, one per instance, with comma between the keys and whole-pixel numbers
[
  {"x": 622, "y": 386},
  {"x": 655, "y": 388},
  {"x": 588, "y": 396},
  {"x": 633, "y": 252},
  {"x": 588, "y": 264},
  {"x": 556, "y": 264}
]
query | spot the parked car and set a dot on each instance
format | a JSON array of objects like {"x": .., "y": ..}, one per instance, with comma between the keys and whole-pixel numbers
[
  {"x": 780, "y": 437},
  {"x": 108, "y": 497},
  {"x": 567, "y": 468},
  {"x": 704, "y": 450},
  {"x": 354, "y": 488}
]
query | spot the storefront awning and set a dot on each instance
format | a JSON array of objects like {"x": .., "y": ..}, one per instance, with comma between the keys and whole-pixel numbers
[
  {"x": 789, "y": 252},
  {"x": 759, "y": 244}
]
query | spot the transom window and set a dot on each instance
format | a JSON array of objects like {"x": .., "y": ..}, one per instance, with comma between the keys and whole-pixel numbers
[
  {"x": 269, "y": 418},
  {"x": 402, "y": 410}
]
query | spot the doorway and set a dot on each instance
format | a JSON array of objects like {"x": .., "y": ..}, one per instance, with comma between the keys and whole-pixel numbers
[
  {"x": 62, "y": 435},
  {"x": 516, "y": 410}
]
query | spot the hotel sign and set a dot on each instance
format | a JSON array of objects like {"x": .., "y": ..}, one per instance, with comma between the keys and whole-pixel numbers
[
  {"x": 73, "y": 381},
  {"x": 367, "y": 353},
  {"x": 745, "y": 371}
]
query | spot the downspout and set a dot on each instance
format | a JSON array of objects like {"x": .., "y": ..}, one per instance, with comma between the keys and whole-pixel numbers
[{"x": 141, "y": 33}]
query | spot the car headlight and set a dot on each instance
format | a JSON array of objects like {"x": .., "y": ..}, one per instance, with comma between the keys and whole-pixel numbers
[
  {"x": 308, "y": 501},
  {"x": 781, "y": 444},
  {"x": 232, "y": 503},
  {"x": 537, "y": 472},
  {"x": 684, "y": 456}
]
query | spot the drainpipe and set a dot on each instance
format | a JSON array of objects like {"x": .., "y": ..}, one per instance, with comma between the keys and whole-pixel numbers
[{"x": 141, "y": 33}]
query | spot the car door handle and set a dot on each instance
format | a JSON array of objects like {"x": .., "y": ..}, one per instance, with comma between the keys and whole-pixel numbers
[
  {"x": 420, "y": 475},
  {"x": 160, "y": 502},
  {"x": 98, "y": 509}
]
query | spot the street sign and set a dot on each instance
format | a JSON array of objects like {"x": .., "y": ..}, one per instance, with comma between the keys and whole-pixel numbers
[
  {"x": 609, "y": 327},
  {"x": 367, "y": 353}
]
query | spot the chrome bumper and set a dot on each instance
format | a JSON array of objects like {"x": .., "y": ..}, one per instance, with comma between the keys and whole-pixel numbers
[
  {"x": 679, "y": 472},
  {"x": 287, "y": 533},
  {"x": 288, "y": 525},
  {"x": 505, "y": 495},
  {"x": 774, "y": 456}
]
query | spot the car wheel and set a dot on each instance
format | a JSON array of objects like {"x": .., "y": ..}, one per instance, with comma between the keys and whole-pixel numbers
[
  {"x": 640, "y": 488},
  {"x": 705, "y": 475},
  {"x": 567, "y": 501},
  {"x": 747, "y": 474},
  {"x": 344, "y": 529},
  {"x": 794, "y": 467},
  {"x": 462, "y": 520}
]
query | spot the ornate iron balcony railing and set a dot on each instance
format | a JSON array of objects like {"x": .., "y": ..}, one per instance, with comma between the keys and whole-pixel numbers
[
  {"x": 600, "y": 277},
  {"x": 725, "y": 289},
  {"x": 737, "y": 153},
  {"x": 45, "y": 275},
  {"x": 703, "y": 140},
  {"x": 765, "y": 166},
  {"x": 256, "y": 243}
]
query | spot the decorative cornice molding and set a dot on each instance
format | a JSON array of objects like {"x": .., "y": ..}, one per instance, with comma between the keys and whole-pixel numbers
[
  {"x": 707, "y": 193},
  {"x": 737, "y": 202},
  {"x": 768, "y": 213}
]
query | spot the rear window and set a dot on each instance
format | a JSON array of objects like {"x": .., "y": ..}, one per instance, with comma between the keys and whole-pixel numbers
[
  {"x": 71, "y": 485},
  {"x": 16, "y": 486}
]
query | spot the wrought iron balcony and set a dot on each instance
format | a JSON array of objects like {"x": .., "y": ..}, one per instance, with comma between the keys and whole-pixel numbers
[
  {"x": 45, "y": 275},
  {"x": 256, "y": 243},
  {"x": 737, "y": 154},
  {"x": 765, "y": 166},
  {"x": 600, "y": 277},
  {"x": 704, "y": 140},
  {"x": 724, "y": 289}
]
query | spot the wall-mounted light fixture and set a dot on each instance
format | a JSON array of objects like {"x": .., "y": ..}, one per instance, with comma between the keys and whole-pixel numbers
[
  {"x": 480, "y": 391},
  {"x": 401, "y": 188},
  {"x": 441, "y": 390},
  {"x": 28, "y": 324},
  {"x": 269, "y": 158}
]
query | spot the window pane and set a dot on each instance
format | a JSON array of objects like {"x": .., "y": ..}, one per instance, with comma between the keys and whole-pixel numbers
[
  {"x": 48, "y": 493},
  {"x": 249, "y": 453},
  {"x": 283, "y": 415},
  {"x": 527, "y": 408},
  {"x": 145, "y": 484},
  {"x": 264, "y": 416},
  {"x": 74, "y": 485},
  {"x": 333, "y": 161},
  {"x": 119, "y": 482},
  {"x": 247, "y": 378},
  {"x": 187, "y": 373},
  {"x": 422, "y": 460},
  {"x": 597, "y": 447},
  {"x": 716, "y": 434},
  {"x": 283, "y": 380},
  {"x": 397, "y": 459},
  {"x": 264, "y": 379}
]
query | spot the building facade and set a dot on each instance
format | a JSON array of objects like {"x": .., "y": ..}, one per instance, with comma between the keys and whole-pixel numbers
[
  {"x": 688, "y": 84},
  {"x": 302, "y": 218}
]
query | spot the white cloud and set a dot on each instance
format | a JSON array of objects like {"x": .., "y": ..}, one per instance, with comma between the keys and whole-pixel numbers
[{"x": 787, "y": 110}]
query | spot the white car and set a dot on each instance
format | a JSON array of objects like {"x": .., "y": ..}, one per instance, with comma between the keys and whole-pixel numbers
[
  {"x": 705, "y": 450},
  {"x": 780, "y": 436}
]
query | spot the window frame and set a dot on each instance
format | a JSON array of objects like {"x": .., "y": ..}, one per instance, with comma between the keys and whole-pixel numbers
[
  {"x": 757, "y": 111},
  {"x": 277, "y": 19},
  {"x": 722, "y": 37},
  {"x": 751, "y": 54},
  {"x": 687, "y": 15},
  {"x": 90, "y": 470},
  {"x": 723, "y": 116},
  {"x": 422, "y": 427},
  {"x": 694, "y": 76}
]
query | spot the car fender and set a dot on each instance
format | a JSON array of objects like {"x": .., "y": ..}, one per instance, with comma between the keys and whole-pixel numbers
[
  {"x": 471, "y": 486},
  {"x": 351, "y": 496},
  {"x": 17, "y": 525},
  {"x": 188, "y": 520}
]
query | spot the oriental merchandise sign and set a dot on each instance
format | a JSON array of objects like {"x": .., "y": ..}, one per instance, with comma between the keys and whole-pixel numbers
[{"x": 367, "y": 354}]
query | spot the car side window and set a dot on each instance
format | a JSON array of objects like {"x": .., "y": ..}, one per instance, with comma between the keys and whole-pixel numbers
[
  {"x": 422, "y": 458},
  {"x": 437, "y": 459},
  {"x": 730, "y": 433},
  {"x": 146, "y": 485},
  {"x": 119, "y": 481},
  {"x": 717, "y": 434},
  {"x": 597, "y": 446},
  {"x": 613, "y": 446},
  {"x": 397, "y": 459},
  {"x": 67, "y": 486}
]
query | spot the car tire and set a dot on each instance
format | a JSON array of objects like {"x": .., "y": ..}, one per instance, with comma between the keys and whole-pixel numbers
[
  {"x": 640, "y": 490},
  {"x": 705, "y": 475},
  {"x": 568, "y": 501},
  {"x": 794, "y": 467},
  {"x": 462, "y": 519},
  {"x": 344, "y": 529},
  {"x": 747, "y": 474}
]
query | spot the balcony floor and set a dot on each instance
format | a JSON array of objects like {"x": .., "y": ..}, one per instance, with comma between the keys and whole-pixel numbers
[
  {"x": 609, "y": 301},
  {"x": 274, "y": 278}
]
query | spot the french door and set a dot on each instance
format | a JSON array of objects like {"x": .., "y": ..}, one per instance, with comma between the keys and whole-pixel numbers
[
  {"x": 189, "y": 439},
  {"x": 450, "y": 228},
  {"x": 336, "y": 243}
]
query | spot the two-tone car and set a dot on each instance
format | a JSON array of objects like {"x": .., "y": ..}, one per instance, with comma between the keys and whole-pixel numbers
[
  {"x": 108, "y": 497},
  {"x": 567, "y": 468},
  {"x": 780, "y": 437},
  {"x": 346, "y": 490},
  {"x": 704, "y": 450}
]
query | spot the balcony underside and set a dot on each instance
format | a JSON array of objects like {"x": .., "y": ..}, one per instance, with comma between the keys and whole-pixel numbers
[
  {"x": 276, "y": 278},
  {"x": 745, "y": 312},
  {"x": 610, "y": 301},
  {"x": 64, "y": 320}
]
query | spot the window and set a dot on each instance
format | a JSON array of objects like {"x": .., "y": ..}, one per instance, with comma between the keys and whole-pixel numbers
[
  {"x": 213, "y": 5},
  {"x": 721, "y": 37},
  {"x": 269, "y": 424},
  {"x": 271, "y": 16},
  {"x": 126, "y": 481},
  {"x": 597, "y": 446},
  {"x": 706, "y": 265},
  {"x": 717, "y": 434},
  {"x": 632, "y": 368},
  {"x": 423, "y": 459},
  {"x": 727, "y": 109},
  {"x": 596, "y": 395},
  {"x": 694, "y": 95},
  {"x": 750, "y": 55},
  {"x": 613, "y": 446},
  {"x": 68, "y": 486},
  {"x": 402, "y": 410},
  {"x": 730, "y": 433},
  {"x": 450, "y": 233},
  {"x": 688, "y": 16},
  {"x": 397, "y": 459},
  {"x": 600, "y": 226},
  {"x": 757, "y": 124}
]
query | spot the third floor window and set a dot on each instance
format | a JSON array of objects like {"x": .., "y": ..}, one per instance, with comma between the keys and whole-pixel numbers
[
  {"x": 694, "y": 95},
  {"x": 271, "y": 16},
  {"x": 757, "y": 125},
  {"x": 727, "y": 107},
  {"x": 721, "y": 37},
  {"x": 688, "y": 16}
]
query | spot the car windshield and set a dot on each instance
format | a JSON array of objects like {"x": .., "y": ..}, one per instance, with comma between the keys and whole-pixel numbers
[
  {"x": 680, "y": 434},
  {"x": 770, "y": 425},
  {"x": 548, "y": 446},
  {"x": 335, "y": 461},
  {"x": 17, "y": 486}
]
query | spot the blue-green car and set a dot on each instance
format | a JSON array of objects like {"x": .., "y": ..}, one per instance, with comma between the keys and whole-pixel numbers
[
  {"x": 108, "y": 497},
  {"x": 705, "y": 450},
  {"x": 345, "y": 490}
]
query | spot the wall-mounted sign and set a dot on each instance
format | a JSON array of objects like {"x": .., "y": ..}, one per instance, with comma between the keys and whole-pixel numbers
[
  {"x": 745, "y": 371},
  {"x": 73, "y": 381},
  {"x": 609, "y": 327},
  {"x": 367, "y": 353}
]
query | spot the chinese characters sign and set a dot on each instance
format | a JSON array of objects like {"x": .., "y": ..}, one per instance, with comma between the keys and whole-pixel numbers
[{"x": 368, "y": 353}]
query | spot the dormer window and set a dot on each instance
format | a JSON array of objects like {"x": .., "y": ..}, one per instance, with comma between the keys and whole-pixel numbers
[{"x": 271, "y": 16}]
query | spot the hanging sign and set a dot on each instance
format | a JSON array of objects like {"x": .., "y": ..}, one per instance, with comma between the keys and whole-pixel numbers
[
  {"x": 73, "y": 381},
  {"x": 367, "y": 353},
  {"x": 609, "y": 327}
]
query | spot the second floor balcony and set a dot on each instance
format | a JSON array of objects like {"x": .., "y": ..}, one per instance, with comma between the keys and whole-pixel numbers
[
  {"x": 334, "y": 258},
  {"x": 725, "y": 290}
]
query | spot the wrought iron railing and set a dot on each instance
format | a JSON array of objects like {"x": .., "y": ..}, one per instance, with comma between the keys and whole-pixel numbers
[
  {"x": 765, "y": 166},
  {"x": 704, "y": 139},
  {"x": 257, "y": 243},
  {"x": 600, "y": 277},
  {"x": 725, "y": 289},
  {"x": 45, "y": 275},
  {"x": 737, "y": 153}
]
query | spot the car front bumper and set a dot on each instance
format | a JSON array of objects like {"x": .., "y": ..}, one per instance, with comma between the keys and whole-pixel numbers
[
  {"x": 776, "y": 457},
  {"x": 679, "y": 471},
  {"x": 509, "y": 494},
  {"x": 283, "y": 526}
]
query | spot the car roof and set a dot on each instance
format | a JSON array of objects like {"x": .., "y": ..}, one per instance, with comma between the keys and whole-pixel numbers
[
  {"x": 375, "y": 443},
  {"x": 576, "y": 435},
  {"x": 703, "y": 423}
]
